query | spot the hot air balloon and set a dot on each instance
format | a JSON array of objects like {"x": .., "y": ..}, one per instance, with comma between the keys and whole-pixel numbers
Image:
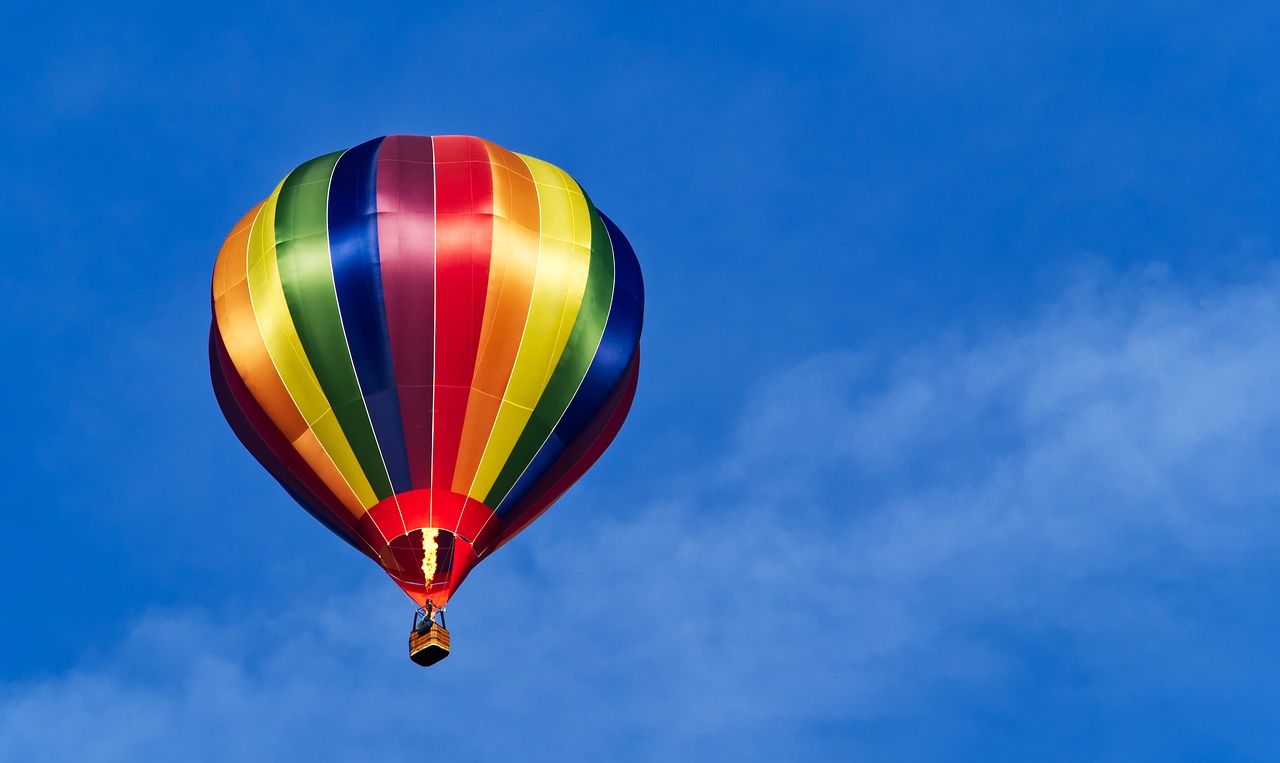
[{"x": 426, "y": 341}]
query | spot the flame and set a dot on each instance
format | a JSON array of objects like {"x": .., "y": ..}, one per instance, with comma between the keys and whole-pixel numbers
[{"x": 429, "y": 549}]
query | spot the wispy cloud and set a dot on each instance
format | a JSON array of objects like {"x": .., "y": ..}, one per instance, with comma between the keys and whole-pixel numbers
[{"x": 870, "y": 555}]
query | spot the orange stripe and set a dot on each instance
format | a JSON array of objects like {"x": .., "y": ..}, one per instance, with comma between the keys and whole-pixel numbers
[
  {"x": 511, "y": 277},
  {"x": 234, "y": 316}
]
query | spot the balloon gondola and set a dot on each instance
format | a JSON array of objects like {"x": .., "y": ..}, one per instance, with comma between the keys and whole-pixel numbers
[
  {"x": 426, "y": 341},
  {"x": 429, "y": 639}
]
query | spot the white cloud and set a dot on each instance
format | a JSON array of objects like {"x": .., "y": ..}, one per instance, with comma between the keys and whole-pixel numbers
[{"x": 878, "y": 543}]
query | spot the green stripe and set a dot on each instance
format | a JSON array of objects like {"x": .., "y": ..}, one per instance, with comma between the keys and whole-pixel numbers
[
  {"x": 584, "y": 339},
  {"x": 306, "y": 272}
]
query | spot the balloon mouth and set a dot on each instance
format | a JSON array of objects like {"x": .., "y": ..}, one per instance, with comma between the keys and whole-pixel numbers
[
  {"x": 428, "y": 540},
  {"x": 428, "y": 563}
]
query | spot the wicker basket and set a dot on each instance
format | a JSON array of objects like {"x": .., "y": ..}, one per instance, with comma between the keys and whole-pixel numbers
[{"x": 429, "y": 647}]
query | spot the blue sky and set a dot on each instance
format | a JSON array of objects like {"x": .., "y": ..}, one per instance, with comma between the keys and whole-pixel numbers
[{"x": 954, "y": 442}]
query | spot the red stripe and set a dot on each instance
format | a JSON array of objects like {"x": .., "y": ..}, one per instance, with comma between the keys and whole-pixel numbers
[
  {"x": 575, "y": 461},
  {"x": 406, "y": 246},
  {"x": 464, "y": 239}
]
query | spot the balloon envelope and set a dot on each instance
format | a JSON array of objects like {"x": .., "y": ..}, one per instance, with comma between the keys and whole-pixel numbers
[{"x": 426, "y": 341}]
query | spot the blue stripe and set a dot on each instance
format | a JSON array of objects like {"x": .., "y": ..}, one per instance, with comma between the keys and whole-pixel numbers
[
  {"x": 617, "y": 346},
  {"x": 357, "y": 275}
]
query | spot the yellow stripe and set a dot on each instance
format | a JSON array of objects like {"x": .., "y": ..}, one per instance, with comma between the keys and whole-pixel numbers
[
  {"x": 563, "y": 259},
  {"x": 281, "y": 338}
]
